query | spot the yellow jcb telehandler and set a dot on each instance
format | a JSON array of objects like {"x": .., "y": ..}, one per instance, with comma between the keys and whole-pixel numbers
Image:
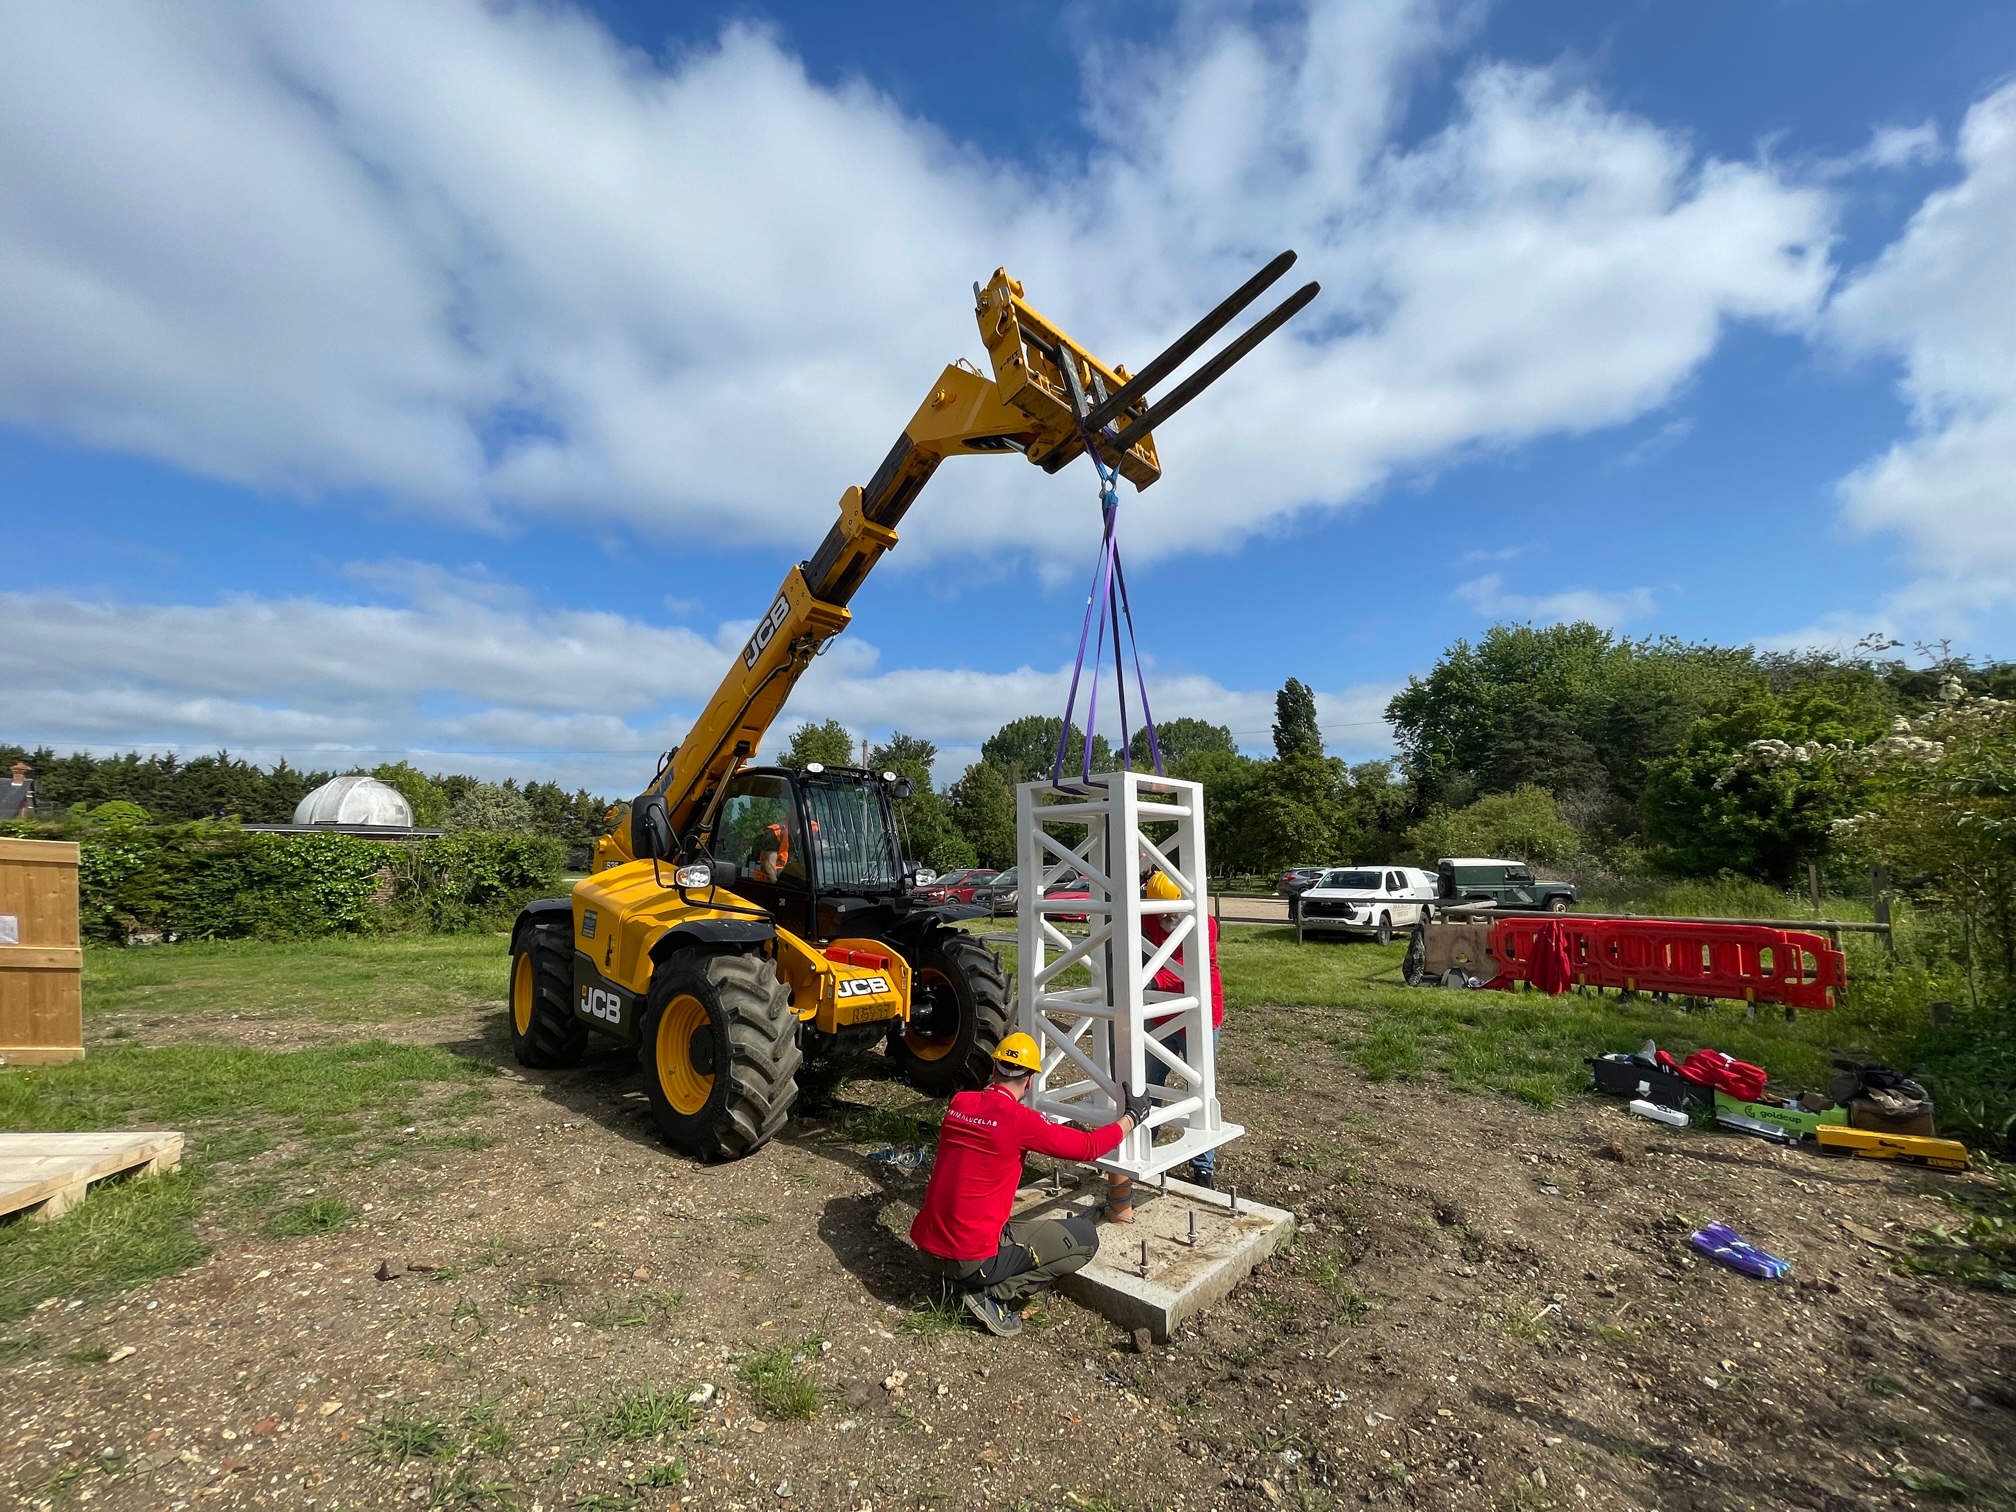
[{"x": 740, "y": 917}]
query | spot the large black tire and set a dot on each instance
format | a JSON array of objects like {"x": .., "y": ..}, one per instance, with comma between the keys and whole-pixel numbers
[
  {"x": 1557, "y": 904},
  {"x": 1384, "y": 933},
  {"x": 1414, "y": 965},
  {"x": 958, "y": 1014},
  {"x": 544, "y": 1032},
  {"x": 720, "y": 1052}
]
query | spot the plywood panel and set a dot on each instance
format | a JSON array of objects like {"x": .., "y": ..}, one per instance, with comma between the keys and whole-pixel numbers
[
  {"x": 38, "y": 887},
  {"x": 41, "y": 982},
  {"x": 41, "y": 1005}
]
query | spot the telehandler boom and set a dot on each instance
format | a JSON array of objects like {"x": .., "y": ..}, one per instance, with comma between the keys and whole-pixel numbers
[{"x": 743, "y": 916}]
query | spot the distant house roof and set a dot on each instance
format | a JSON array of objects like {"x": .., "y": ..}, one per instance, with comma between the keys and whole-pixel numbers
[{"x": 355, "y": 801}]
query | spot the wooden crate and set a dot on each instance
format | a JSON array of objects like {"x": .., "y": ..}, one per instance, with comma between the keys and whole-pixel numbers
[{"x": 42, "y": 974}]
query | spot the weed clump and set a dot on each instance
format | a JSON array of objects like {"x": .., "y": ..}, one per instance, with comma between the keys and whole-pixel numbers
[{"x": 777, "y": 1382}]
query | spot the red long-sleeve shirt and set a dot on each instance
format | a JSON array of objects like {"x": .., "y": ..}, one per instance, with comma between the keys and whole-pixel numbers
[
  {"x": 1155, "y": 927},
  {"x": 979, "y": 1165}
]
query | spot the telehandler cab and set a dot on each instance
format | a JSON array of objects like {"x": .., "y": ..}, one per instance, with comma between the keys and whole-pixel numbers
[{"x": 740, "y": 917}]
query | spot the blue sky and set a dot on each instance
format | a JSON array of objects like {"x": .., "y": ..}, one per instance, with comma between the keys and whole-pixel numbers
[{"x": 458, "y": 381}]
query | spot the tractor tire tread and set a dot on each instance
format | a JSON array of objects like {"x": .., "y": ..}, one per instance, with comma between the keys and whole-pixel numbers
[
  {"x": 981, "y": 970},
  {"x": 762, "y": 1053},
  {"x": 556, "y": 1039}
]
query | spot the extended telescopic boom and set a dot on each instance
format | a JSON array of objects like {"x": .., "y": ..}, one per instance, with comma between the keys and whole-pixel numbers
[{"x": 1026, "y": 407}]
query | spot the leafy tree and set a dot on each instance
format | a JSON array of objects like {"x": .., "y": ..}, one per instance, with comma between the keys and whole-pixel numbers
[
  {"x": 1294, "y": 811},
  {"x": 1522, "y": 825},
  {"x": 428, "y": 802},
  {"x": 576, "y": 819},
  {"x": 1025, "y": 749},
  {"x": 1272, "y": 829},
  {"x": 1754, "y": 788},
  {"x": 1939, "y": 806},
  {"x": 828, "y": 743},
  {"x": 1180, "y": 739},
  {"x": 495, "y": 806},
  {"x": 1295, "y": 729},
  {"x": 1570, "y": 708},
  {"x": 923, "y": 816},
  {"x": 983, "y": 810}
]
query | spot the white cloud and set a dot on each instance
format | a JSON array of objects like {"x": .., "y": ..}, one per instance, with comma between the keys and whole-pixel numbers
[
  {"x": 484, "y": 261},
  {"x": 1487, "y": 596},
  {"x": 1942, "y": 298},
  {"x": 1889, "y": 148},
  {"x": 1661, "y": 441},
  {"x": 461, "y": 673}
]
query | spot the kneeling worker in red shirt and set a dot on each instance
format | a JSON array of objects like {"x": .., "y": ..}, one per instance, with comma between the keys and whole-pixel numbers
[{"x": 963, "y": 1228}]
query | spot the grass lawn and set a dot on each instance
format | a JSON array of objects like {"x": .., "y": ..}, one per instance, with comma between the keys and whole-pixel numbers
[
  {"x": 278, "y": 1143},
  {"x": 382, "y": 979}
]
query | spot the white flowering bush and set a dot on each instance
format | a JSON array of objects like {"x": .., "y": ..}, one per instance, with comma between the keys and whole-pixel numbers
[{"x": 1937, "y": 806}]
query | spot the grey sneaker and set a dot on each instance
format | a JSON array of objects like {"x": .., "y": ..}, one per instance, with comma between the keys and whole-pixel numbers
[{"x": 993, "y": 1316}]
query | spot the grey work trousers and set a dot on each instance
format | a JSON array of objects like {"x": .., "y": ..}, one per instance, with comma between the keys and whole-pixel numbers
[{"x": 1033, "y": 1254}]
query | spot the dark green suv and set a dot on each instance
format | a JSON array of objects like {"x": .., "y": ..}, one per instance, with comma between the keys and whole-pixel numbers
[{"x": 1501, "y": 884}]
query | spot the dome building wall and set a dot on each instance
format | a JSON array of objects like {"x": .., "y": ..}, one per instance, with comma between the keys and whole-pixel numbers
[{"x": 356, "y": 800}]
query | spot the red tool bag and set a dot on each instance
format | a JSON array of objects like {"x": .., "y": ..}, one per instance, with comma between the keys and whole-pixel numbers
[{"x": 1712, "y": 1068}]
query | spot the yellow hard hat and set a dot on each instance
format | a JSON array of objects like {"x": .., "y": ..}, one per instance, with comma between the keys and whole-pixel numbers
[
  {"x": 1159, "y": 886},
  {"x": 1019, "y": 1051}
]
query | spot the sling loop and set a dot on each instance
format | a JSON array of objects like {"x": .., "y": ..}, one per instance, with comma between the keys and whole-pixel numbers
[{"x": 1109, "y": 597}]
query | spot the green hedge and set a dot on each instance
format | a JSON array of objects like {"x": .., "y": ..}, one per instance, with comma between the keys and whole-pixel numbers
[{"x": 216, "y": 881}]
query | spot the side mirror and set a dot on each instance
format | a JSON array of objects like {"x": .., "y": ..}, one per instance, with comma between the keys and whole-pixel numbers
[
  {"x": 902, "y": 787},
  {"x": 651, "y": 830},
  {"x": 726, "y": 873}
]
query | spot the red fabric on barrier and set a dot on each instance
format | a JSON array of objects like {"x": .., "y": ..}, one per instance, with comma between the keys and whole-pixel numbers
[
  {"x": 1714, "y": 1068},
  {"x": 1551, "y": 969}
]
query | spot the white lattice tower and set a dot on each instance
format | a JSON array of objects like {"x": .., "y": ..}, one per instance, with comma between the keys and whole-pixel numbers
[{"x": 1100, "y": 1037}]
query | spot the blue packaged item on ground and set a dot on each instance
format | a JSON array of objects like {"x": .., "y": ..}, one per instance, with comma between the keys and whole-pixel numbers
[{"x": 1720, "y": 1242}]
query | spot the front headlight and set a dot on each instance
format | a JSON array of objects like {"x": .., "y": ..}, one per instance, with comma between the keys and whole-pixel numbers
[{"x": 693, "y": 876}]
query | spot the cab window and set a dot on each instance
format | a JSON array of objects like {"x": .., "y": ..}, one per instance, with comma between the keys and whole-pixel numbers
[
  {"x": 758, "y": 830},
  {"x": 1394, "y": 884}
]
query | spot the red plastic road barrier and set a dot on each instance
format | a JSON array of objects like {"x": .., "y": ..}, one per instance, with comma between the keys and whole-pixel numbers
[{"x": 1747, "y": 962}]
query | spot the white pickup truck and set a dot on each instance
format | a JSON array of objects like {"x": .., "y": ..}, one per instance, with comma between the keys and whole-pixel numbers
[{"x": 1372, "y": 900}]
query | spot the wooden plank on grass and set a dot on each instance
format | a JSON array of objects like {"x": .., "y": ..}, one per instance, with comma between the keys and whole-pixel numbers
[{"x": 51, "y": 1172}]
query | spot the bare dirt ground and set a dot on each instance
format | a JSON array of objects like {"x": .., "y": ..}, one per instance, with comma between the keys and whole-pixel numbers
[{"x": 1487, "y": 1307}]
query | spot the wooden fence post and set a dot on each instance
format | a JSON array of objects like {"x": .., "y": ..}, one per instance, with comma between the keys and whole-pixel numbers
[{"x": 1879, "y": 904}]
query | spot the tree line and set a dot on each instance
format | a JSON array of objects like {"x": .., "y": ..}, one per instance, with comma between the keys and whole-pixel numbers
[
  {"x": 1563, "y": 745},
  {"x": 169, "y": 790}
]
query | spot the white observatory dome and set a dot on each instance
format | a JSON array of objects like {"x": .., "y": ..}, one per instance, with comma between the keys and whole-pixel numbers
[{"x": 355, "y": 800}]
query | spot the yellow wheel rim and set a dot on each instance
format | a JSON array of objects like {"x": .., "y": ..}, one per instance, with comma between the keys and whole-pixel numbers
[
  {"x": 930, "y": 1047},
  {"x": 521, "y": 993},
  {"x": 685, "y": 1044}
]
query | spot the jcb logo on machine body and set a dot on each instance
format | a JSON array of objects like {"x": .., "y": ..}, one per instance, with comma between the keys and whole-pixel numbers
[
  {"x": 772, "y": 623},
  {"x": 598, "y": 1003},
  {"x": 862, "y": 987}
]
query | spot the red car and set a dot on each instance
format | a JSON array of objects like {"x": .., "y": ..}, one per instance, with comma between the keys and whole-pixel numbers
[
  {"x": 1067, "y": 892},
  {"x": 957, "y": 887}
]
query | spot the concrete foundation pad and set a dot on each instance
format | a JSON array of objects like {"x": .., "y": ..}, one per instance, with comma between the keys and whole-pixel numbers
[{"x": 1183, "y": 1278}]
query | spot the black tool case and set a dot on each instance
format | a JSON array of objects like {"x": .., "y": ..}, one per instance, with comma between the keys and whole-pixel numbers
[{"x": 1628, "y": 1076}]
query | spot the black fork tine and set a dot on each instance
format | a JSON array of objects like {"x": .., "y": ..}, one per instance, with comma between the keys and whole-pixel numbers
[
  {"x": 1179, "y": 350},
  {"x": 1212, "y": 371}
]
